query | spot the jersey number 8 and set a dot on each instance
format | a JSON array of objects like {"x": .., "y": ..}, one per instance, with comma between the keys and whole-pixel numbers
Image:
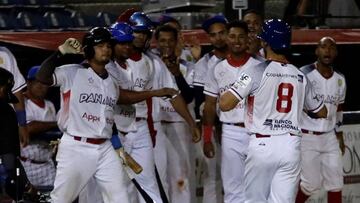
[{"x": 285, "y": 93}]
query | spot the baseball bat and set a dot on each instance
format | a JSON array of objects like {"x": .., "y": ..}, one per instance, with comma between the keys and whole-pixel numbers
[
  {"x": 143, "y": 193},
  {"x": 135, "y": 166}
]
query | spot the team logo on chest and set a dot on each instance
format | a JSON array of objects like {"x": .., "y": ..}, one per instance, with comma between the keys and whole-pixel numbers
[{"x": 96, "y": 98}]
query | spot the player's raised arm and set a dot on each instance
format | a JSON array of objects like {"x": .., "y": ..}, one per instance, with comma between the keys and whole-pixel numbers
[{"x": 70, "y": 46}]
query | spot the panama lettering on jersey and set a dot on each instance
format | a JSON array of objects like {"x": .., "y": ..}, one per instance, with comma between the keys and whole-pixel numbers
[{"x": 86, "y": 91}]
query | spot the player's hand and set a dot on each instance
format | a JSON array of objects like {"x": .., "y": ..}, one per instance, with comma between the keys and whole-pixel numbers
[
  {"x": 196, "y": 135},
  {"x": 340, "y": 138},
  {"x": 209, "y": 150},
  {"x": 70, "y": 46},
  {"x": 165, "y": 92},
  {"x": 172, "y": 63},
  {"x": 195, "y": 48},
  {"x": 24, "y": 136}
]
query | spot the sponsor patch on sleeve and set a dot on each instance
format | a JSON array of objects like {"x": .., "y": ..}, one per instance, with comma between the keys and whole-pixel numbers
[{"x": 243, "y": 81}]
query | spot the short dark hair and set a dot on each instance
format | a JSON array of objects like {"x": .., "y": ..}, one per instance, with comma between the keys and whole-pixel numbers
[
  {"x": 237, "y": 23},
  {"x": 254, "y": 12},
  {"x": 166, "y": 28}
]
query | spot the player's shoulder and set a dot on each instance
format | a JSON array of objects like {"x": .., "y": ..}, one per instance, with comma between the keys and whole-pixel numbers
[
  {"x": 5, "y": 52},
  {"x": 308, "y": 68},
  {"x": 341, "y": 75}
]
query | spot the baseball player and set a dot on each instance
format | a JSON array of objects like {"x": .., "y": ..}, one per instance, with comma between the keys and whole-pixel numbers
[
  {"x": 321, "y": 164},
  {"x": 88, "y": 97},
  {"x": 216, "y": 30},
  {"x": 16, "y": 182},
  {"x": 190, "y": 52},
  {"x": 276, "y": 94},
  {"x": 254, "y": 21},
  {"x": 8, "y": 62},
  {"x": 126, "y": 76},
  {"x": 181, "y": 165},
  {"x": 234, "y": 137},
  {"x": 142, "y": 33},
  {"x": 41, "y": 119}
]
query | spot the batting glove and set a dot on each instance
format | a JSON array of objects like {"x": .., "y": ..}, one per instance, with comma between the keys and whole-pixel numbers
[{"x": 70, "y": 46}]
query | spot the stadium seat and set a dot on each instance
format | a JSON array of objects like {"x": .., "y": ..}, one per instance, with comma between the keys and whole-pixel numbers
[
  {"x": 28, "y": 21},
  {"x": 10, "y": 2},
  {"x": 81, "y": 21},
  {"x": 105, "y": 19},
  {"x": 57, "y": 20},
  {"x": 6, "y": 22}
]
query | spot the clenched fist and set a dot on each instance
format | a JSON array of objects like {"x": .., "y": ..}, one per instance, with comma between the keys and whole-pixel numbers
[
  {"x": 70, "y": 46},
  {"x": 196, "y": 135}
]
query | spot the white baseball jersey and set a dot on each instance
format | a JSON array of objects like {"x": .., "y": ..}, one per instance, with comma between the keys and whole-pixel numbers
[
  {"x": 220, "y": 79},
  {"x": 168, "y": 112},
  {"x": 162, "y": 78},
  {"x": 331, "y": 90},
  {"x": 8, "y": 61},
  {"x": 83, "y": 92},
  {"x": 125, "y": 115},
  {"x": 39, "y": 174},
  {"x": 202, "y": 68},
  {"x": 278, "y": 93},
  {"x": 142, "y": 77}
]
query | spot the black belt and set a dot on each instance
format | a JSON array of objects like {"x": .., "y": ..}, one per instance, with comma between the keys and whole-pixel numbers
[{"x": 236, "y": 124}]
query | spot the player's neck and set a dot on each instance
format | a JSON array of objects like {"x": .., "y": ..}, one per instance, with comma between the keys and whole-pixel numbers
[
  {"x": 121, "y": 62},
  {"x": 276, "y": 57},
  {"x": 99, "y": 69},
  {"x": 325, "y": 70},
  {"x": 220, "y": 52}
]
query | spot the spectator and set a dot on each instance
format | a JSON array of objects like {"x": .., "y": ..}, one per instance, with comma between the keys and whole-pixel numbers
[{"x": 41, "y": 119}]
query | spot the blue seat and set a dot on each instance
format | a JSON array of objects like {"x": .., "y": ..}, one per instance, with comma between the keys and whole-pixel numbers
[
  {"x": 105, "y": 19},
  {"x": 11, "y": 2},
  {"x": 58, "y": 20},
  {"x": 81, "y": 21},
  {"x": 7, "y": 23},
  {"x": 28, "y": 21}
]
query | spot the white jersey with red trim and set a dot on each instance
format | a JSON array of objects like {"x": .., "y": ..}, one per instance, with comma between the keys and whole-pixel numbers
[
  {"x": 125, "y": 115},
  {"x": 168, "y": 112},
  {"x": 142, "y": 77},
  {"x": 8, "y": 62},
  {"x": 279, "y": 92},
  {"x": 220, "y": 79},
  {"x": 332, "y": 91},
  {"x": 87, "y": 101},
  {"x": 202, "y": 68},
  {"x": 35, "y": 112},
  {"x": 162, "y": 79}
]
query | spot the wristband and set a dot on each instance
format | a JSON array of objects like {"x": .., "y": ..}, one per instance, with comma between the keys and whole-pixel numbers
[
  {"x": 115, "y": 141},
  {"x": 207, "y": 129},
  {"x": 21, "y": 117}
]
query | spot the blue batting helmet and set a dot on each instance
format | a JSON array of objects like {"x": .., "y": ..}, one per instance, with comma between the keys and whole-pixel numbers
[
  {"x": 215, "y": 19},
  {"x": 121, "y": 32},
  {"x": 32, "y": 73},
  {"x": 140, "y": 22},
  {"x": 277, "y": 34}
]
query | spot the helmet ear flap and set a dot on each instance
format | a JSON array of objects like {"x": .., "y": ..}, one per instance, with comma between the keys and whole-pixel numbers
[{"x": 89, "y": 52}]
